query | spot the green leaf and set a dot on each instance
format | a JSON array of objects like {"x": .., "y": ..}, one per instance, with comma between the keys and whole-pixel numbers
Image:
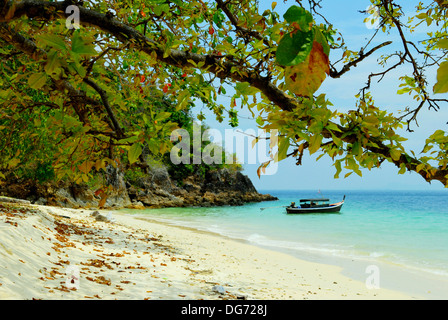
[
  {"x": 420, "y": 167},
  {"x": 337, "y": 164},
  {"x": 373, "y": 120},
  {"x": 315, "y": 143},
  {"x": 82, "y": 46},
  {"x": 218, "y": 18},
  {"x": 356, "y": 148},
  {"x": 316, "y": 127},
  {"x": 283, "y": 146},
  {"x": 76, "y": 67},
  {"x": 442, "y": 44},
  {"x": 299, "y": 15},
  {"x": 183, "y": 100},
  {"x": 402, "y": 169},
  {"x": 245, "y": 89},
  {"x": 319, "y": 37},
  {"x": 395, "y": 154},
  {"x": 422, "y": 15},
  {"x": 437, "y": 135},
  {"x": 154, "y": 146},
  {"x": 53, "y": 63},
  {"x": 162, "y": 116},
  {"x": 333, "y": 127},
  {"x": 52, "y": 40},
  {"x": 294, "y": 48},
  {"x": 37, "y": 80},
  {"x": 70, "y": 122},
  {"x": 159, "y": 9},
  {"x": 442, "y": 78},
  {"x": 351, "y": 164},
  {"x": 404, "y": 90},
  {"x": 131, "y": 139},
  {"x": 134, "y": 152}
]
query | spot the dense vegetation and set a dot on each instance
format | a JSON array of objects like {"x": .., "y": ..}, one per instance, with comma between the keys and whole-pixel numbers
[
  {"x": 108, "y": 86},
  {"x": 35, "y": 158}
]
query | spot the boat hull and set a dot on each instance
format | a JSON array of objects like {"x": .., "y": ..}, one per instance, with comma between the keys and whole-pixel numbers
[{"x": 330, "y": 209}]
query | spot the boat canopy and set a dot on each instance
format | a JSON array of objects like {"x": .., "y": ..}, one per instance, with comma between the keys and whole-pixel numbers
[{"x": 314, "y": 200}]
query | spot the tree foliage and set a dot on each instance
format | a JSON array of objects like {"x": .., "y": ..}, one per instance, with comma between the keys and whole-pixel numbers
[{"x": 96, "y": 95}]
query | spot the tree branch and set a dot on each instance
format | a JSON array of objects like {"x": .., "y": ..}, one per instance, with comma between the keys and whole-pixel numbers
[
  {"x": 242, "y": 31},
  {"x": 346, "y": 68},
  {"x": 177, "y": 58},
  {"x": 106, "y": 104},
  {"x": 28, "y": 47},
  {"x": 208, "y": 63}
]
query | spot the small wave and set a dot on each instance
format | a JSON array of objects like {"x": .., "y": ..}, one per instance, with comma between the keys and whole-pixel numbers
[
  {"x": 214, "y": 228},
  {"x": 377, "y": 254},
  {"x": 255, "y": 238},
  {"x": 438, "y": 269},
  {"x": 343, "y": 252},
  {"x": 258, "y": 239}
]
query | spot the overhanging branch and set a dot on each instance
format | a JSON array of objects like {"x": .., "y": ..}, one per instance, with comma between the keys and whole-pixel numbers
[
  {"x": 77, "y": 97},
  {"x": 125, "y": 33},
  {"x": 208, "y": 63}
]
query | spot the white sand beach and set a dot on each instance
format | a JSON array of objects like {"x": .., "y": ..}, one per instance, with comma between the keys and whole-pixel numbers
[{"x": 55, "y": 253}]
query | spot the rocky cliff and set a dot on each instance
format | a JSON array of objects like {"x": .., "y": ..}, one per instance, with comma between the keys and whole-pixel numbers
[
  {"x": 216, "y": 188},
  {"x": 155, "y": 190}
]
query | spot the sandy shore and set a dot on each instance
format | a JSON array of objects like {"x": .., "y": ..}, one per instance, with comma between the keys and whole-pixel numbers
[{"x": 55, "y": 253}]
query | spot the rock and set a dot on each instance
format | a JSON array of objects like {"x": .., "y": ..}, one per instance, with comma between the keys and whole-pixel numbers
[
  {"x": 41, "y": 201},
  {"x": 136, "y": 205},
  {"x": 94, "y": 214},
  {"x": 100, "y": 217},
  {"x": 118, "y": 197},
  {"x": 12, "y": 200},
  {"x": 191, "y": 188},
  {"x": 63, "y": 198},
  {"x": 219, "y": 187}
]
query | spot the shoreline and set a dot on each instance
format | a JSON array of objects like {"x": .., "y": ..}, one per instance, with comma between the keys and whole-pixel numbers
[
  {"x": 401, "y": 278},
  {"x": 129, "y": 258}
]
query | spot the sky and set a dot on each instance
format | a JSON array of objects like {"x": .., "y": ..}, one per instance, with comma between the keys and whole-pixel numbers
[{"x": 319, "y": 175}]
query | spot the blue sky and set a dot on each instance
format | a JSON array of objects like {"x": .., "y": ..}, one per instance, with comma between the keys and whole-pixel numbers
[{"x": 314, "y": 175}]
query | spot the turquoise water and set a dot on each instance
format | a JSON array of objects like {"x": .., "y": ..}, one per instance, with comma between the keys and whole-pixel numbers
[{"x": 406, "y": 228}]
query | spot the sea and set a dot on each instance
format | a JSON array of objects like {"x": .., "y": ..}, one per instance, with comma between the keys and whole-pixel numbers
[{"x": 405, "y": 232}]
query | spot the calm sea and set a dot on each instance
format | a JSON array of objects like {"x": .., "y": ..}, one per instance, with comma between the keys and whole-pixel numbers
[{"x": 408, "y": 228}]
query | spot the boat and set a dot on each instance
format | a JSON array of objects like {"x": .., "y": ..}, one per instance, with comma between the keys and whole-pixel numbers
[{"x": 318, "y": 205}]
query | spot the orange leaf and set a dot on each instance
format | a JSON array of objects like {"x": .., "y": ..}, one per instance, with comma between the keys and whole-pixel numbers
[
  {"x": 305, "y": 78},
  {"x": 259, "y": 172},
  {"x": 103, "y": 200}
]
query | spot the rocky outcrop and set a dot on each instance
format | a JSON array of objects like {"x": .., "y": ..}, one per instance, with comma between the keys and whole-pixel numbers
[
  {"x": 156, "y": 190},
  {"x": 217, "y": 188}
]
